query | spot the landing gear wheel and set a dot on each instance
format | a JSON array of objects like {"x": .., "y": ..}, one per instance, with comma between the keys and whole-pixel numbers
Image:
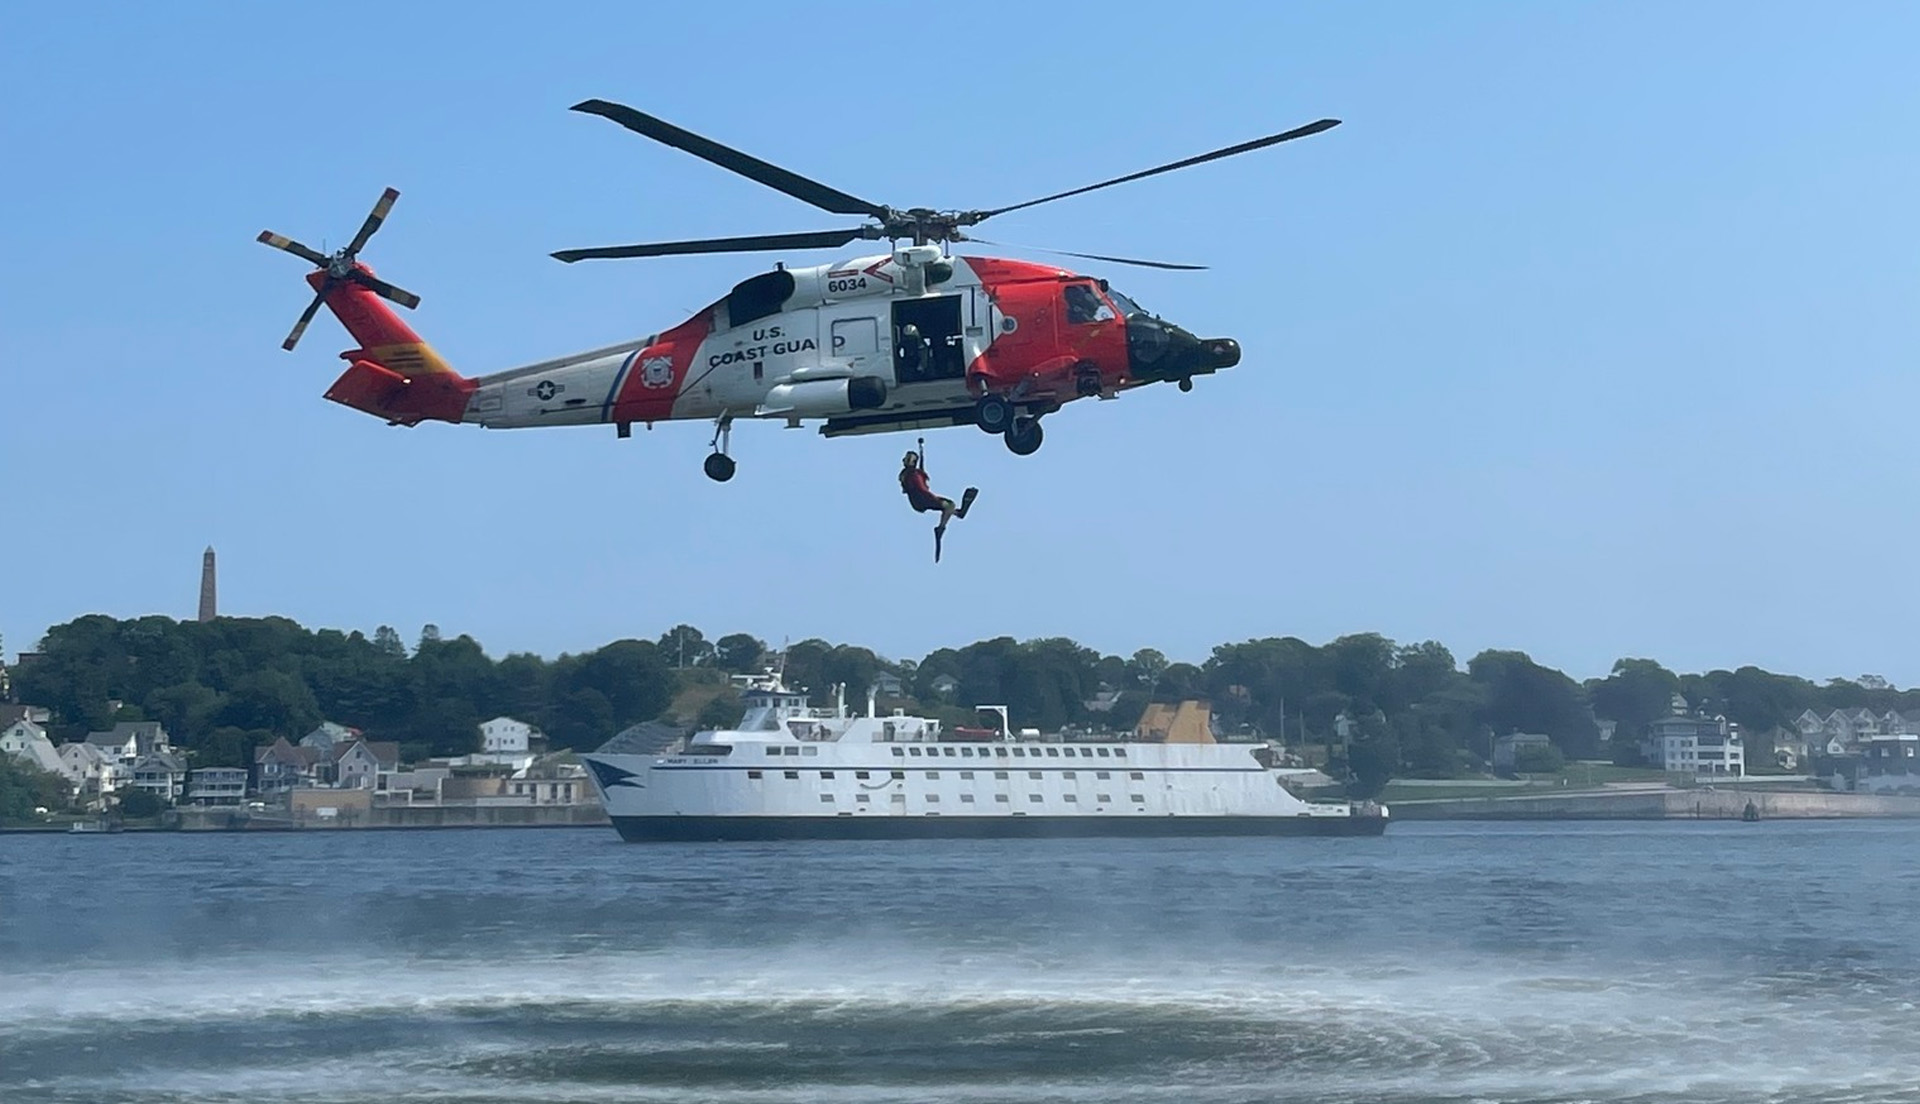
[
  {"x": 1186, "y": 383},
  {"x": 1024, "y": 436},
  {"x": 719, "y": 467},
  {"x": 993, "y": 413}
]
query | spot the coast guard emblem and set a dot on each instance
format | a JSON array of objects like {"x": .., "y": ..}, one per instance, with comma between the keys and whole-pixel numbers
[{"x": 656, "y": 372}]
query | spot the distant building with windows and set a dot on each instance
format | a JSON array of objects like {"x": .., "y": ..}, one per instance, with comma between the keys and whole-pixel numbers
[
  {"x": 1514, "y": 746},
  {"x": 1697, "y": 745}
]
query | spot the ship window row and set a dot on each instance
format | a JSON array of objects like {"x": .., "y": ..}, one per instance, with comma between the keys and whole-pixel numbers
[
  {"x": 1137, "y": 776},
  {"x": 965, "y": 751},
  {"x": 968, "y": 799},
  {"x": 794, "y": 749}
]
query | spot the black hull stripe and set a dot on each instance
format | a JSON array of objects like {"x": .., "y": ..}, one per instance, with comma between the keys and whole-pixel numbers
[{"x": 680, "y": 829}]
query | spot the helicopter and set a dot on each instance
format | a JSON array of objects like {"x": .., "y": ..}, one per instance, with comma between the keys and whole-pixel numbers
[{"x": 914, "y": 338}]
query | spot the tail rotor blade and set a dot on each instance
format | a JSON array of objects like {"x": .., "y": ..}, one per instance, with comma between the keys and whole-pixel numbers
[
  {"x": 290, "y": 246},
  {"x": 383, "y": 289},
  {"x": 378, "y": 216},
  {"x": 306, "y": 316}
]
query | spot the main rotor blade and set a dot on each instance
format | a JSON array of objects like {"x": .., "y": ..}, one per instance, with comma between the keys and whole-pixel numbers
[
  {"x": 379, "y": 215},
  {"x": 773, "y": 176},
  {"x": 1094, "y": 256},
  {"x": 825, "y": 239},
  {"x": 1244, "y": 147},
  {"x": 383, "y": 289},
  {"x": 293, "y": 247},
  {"x": 306, "y": 316}
]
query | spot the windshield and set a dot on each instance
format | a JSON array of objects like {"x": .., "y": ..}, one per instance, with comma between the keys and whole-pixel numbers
[{"x": 1123, "y": 304}]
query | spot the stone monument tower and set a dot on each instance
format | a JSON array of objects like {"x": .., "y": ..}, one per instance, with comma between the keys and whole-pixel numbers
[{"x": 209, "y": 608}]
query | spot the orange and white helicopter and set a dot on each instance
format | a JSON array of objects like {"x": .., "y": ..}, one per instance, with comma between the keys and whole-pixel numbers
[{"x": 914, "y": 338}]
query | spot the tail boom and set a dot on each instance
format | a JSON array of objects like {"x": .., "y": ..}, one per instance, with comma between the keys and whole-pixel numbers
[{"x": 394, "y": 374}]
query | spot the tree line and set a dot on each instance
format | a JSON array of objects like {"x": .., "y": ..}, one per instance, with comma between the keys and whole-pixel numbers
[{"x": 1369, "y": 707}]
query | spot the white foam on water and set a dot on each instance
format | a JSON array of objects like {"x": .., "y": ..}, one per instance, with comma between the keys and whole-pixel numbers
[{"x": 1488, "y": 1029}]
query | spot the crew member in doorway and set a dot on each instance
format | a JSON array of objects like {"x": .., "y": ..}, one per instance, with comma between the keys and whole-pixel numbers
[
  {"x": 913, "y": 480},
  {"x": 913, "y": 352}
]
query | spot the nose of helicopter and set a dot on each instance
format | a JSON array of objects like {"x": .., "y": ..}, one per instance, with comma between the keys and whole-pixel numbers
[{"x": 1159, "y": 350}]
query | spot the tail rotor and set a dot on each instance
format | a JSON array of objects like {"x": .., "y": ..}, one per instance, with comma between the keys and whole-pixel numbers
[{"x": 342, "y": 267}]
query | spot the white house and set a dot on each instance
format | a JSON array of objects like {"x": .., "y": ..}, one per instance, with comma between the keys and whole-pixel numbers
[
  {"x": 1696, "y": 745},
  {"x": 506, "y": 736},
  {"x": 27, "y": 740},
  {"x": 92, "y": 772},
  {"x": 162, "y": 774}
]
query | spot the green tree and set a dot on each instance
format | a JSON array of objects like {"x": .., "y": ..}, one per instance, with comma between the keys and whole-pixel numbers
[
  {"x": 141, "y": 804},
  {"x": 740, "y": 653},
  {"x": 685, "y": 646},
  {"x": 25, "y": 787}
]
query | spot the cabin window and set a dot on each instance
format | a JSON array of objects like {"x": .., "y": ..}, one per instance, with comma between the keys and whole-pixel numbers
[
  {"x": 1135, "y": 775},
  {"x": 899, "y": 751},
  {"x": 758, "y": 296},
  {"x": 898, "y": 775},
  {"x": 1072, "y": 797},
  {"x": 1102, "y": 752},
  {"x": 1103, "y": 775},
  {"x": 1002, "y": 798},
  {"x": 900, "y": 799},
  {"x": 1119, "y": 753},
  {"x": 1001, "y": 752},
  {"x": 933, "y": 774},
  {"x": 862, "y": 798},
  {"x": 753, "y": 774},
  {"x": 967, "y": 752},
  {"x": 809, "y": 750},
  {"x": 826, "y": 774},
  {"x": 1138, "y": 798},
  {"x": 913, "y": 751},
  {"x": 1053, "y": 753},
  {"x": 965, "y": 775},
  {"x": 949, "y": 752},
  {"x": 792, "y": 774},
  {"x": 1019, "y": 753},
  {"x": 1000, "y": 774},
  {"x": 1103, "y": 797},
  {"x": 1066, "y": 774},
  {"x": 1033, "y": 774},
  {"x": 860, "y": 774},
  {"x": 966, "y": 799},
  {"x": 1033, "y": 797},
  {"x": 933, "y": 797},
  {"x": 828, "y": 798}
]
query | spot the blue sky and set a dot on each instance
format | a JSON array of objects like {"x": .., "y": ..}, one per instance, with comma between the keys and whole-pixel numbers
[{"x": 1590, "y": 333}]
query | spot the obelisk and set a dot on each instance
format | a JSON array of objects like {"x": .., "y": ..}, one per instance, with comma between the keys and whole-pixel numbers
[{"x": 209, "y": 609}]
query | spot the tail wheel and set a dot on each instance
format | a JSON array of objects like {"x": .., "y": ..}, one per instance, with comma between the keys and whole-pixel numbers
[
  {"x": 719, "y": 467},
  {"x": 994, "y": 414},
  {"x": 1186, "y": 383},
  {"x": 1024, "y": 436}
]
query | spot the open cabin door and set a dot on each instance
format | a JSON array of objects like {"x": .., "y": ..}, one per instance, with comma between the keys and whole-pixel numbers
[{"x": 937, "y": 353}]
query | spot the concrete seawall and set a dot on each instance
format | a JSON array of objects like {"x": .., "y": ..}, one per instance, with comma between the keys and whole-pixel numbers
[
  {"x": 401, "y": 816},
  {"x": 1663, "y": 805}
]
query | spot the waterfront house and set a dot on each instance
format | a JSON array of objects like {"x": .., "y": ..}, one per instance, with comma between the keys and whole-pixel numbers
[
  {"x": 161, "y": 773},
  {"x": 91, "y": 771},
  {"x": 357, "y": 763},
  {"x": 1696, "y": 745},
  {"x": 280, "y": 766},
  {"x": 26, "y": 740},
  {"x": 553, "y": 780},
  {"x": 507, "y": 736},
  {"x": 217, "y": 785},
  {"x": 1516, "y": 746},
  {"x": 1888, "y": 763},
  {"x": 323, "y": 738},
  {"x": 130, "y": 740}
]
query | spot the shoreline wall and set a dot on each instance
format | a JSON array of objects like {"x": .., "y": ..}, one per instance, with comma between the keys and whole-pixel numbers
[{"x": 1663, "y": 805}]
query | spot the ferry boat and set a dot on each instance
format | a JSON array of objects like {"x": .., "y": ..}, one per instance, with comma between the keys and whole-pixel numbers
[{"x": 793, "y": 771}]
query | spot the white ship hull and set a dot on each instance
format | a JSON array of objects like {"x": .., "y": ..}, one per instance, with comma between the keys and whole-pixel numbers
[{"x": 760, "y": 788}]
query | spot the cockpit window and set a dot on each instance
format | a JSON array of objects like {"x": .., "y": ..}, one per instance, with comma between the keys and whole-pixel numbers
[
  {"x": 1124, "y": 305},
  {"x": 1085, "y": 306}
]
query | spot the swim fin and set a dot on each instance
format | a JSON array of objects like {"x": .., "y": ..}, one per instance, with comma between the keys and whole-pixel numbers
[
  {"x": 966, "y": 501},
  {"x": 939, "y": 531}
]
